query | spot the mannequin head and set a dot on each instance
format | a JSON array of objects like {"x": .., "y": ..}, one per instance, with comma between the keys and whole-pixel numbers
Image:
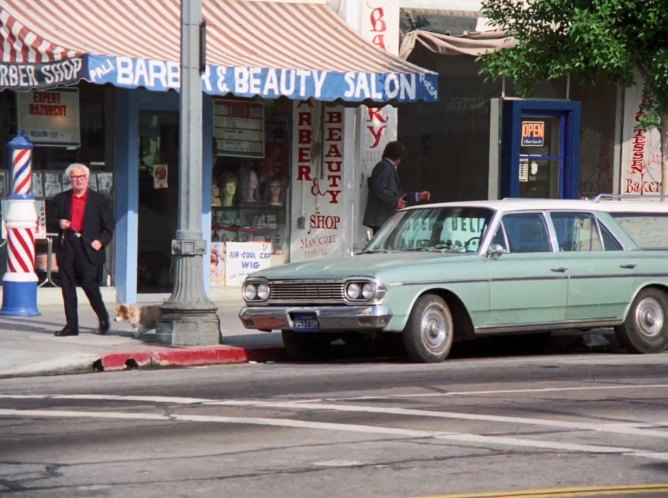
[
  {"x": 275, "y": 192},
  {"x": 229, "y": 189}
]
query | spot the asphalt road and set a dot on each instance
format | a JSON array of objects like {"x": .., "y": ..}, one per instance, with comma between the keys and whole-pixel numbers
[{"x": 366, "y": 428}]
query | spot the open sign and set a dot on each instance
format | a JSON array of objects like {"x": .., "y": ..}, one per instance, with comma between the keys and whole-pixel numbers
[{"x": 533, "y": 133}]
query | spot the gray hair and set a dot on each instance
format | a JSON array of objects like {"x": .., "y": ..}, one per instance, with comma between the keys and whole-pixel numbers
[{"x": 69, "y": 169}]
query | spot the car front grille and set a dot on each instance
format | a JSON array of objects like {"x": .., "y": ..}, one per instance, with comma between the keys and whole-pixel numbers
[{"x": 306, "y": 292}]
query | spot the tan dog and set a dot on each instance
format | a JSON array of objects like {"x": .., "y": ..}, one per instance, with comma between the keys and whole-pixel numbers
[{"x": 142, "y": 318}]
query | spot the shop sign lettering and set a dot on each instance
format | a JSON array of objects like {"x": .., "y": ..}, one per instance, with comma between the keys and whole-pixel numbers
[
  {"x": 49, "y": 117},
  {"x": 642, "y": 186},
  {"x": 297, "y": 84},
  {"x": 641, "y": 149},
  {"x": 25, "y": 76},
  {"x": 533, "y": 133},
  {"x": 327, "y": 185},
  {"x": 244, "y": 258}
]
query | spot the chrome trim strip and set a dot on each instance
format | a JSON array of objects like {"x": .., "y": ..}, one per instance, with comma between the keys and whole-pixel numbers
[
  {"x": 569, "y": 324},
  {"x": 330, "y": 318}
]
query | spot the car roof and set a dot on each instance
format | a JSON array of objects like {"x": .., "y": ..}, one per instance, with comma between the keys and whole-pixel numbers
[{"x": 598, "y": 204}]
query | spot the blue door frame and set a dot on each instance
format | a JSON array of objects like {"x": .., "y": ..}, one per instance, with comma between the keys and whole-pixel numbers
[
  {"x": 568, "y": 113},
  {"x": 128, "y": 104}
]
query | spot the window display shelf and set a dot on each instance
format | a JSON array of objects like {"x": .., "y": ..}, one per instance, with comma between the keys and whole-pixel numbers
[{"x": 249, "y": 223}]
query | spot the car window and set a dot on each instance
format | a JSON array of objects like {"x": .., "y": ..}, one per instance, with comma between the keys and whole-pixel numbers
[
  {"x": 500, "y": 238},
  {"x": 576, "y": 232},
  {"x": 526, "y": 232},
  {"x": 648, "y": 230},
  {"x": 443, "y": 229},
  {"x": 609, "y": 241}
]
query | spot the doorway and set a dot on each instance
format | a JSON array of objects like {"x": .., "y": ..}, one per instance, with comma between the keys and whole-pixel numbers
[
  {"x": 540, "y": 149},
  {"x": 158, "y": 189},
  {"x": 541, "y": 164}
]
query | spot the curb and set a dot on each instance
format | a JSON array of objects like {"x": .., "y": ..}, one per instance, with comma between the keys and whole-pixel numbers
[{"x": 186, "y": 358}]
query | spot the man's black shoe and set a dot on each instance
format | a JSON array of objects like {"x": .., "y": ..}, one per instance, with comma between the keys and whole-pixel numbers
[
  {"x": 104, "y": 326},
  {"x": 66, "y": 331}
]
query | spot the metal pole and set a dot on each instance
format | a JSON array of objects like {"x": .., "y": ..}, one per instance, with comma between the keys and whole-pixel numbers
[{"x": 189, "y": 317}]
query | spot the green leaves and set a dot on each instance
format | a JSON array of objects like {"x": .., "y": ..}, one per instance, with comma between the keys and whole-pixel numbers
[{"x": 592, "y": 39}]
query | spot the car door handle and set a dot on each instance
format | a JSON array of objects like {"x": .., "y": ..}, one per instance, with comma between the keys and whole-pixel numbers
[
  {"x": 559, "y": 269},
  {"x": 629, "y": 266}
]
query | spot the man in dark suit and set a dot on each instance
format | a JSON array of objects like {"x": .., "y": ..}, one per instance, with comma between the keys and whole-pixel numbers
[
  {"x": 385, "y": 193},
  {"x": 86, "y": 227}
]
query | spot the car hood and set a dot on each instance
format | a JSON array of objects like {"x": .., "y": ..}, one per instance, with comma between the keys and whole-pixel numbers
[{"x": 370, "y": 264}]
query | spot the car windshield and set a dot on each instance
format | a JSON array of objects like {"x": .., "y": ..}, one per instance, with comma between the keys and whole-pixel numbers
[{"x": 439, "y": 229}]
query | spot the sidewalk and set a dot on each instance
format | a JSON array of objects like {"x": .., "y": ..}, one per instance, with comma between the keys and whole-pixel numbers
[{"x": 29, "y": 348}]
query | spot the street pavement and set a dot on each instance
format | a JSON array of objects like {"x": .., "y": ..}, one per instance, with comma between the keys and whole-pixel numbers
[{"x": 29, "y": 348}]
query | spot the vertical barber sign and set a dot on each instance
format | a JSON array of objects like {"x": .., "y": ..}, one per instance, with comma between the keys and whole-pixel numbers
[{"x": 317, "y": 185}]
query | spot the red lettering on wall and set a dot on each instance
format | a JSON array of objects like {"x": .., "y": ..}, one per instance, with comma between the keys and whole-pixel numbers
[
  {"x": 377, "y": 134},
  {"x": 375, "y": 114},
  {"x": 305, "y": 136},
  {"x": 333, "y": 151},
  {"x": 304, "y": 119},
  {"x": 379, "y": 41},
  {"x": 334, "y": 134},
  {"x": 334, "y": 166},
  {"x": 304, "y": 173},
  {"x": 638, "y": 158},
  {"x": 376, "y": 17},
  {"x": 334, "y": 117}
]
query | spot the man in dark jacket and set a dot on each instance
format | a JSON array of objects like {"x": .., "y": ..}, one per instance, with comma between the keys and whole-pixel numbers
[
  {"x": 385, "y": 193},
  {"x": 86, "y": 226}
]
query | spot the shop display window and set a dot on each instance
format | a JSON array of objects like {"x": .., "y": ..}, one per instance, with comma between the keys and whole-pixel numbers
[
  {"x": 247, "y": 206},
  {"x": 84, "y": 140},
  {"x": 250, "y": 190}
]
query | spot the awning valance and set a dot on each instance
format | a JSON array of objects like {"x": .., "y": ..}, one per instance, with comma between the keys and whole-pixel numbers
[
  {"x": 254, "y": 48},
  {"x": 471, "y": 44}
]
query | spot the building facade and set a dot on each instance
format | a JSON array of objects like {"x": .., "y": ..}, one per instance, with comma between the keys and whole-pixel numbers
[{"x": 279, "y": 134}]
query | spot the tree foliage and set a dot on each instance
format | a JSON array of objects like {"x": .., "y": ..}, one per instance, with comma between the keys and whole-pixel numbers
[{"x": 595, "y": 40}]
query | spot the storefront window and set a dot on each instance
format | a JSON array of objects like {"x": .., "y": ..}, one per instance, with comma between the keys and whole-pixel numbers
[
  {"x": 250, "y": 184},
  {"x": 66, "y": 126}
]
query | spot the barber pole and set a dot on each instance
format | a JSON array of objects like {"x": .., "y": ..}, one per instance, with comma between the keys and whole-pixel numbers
[{"x": 19, "y": 284}]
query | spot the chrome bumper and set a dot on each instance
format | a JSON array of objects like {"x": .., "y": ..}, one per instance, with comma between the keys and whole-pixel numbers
[{"x": 330, "y": 318}]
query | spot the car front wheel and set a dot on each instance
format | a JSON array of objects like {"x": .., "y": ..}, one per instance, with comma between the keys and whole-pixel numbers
[
  {"x": 429, "y": 331},
  {"x": 645, "y": 329}
]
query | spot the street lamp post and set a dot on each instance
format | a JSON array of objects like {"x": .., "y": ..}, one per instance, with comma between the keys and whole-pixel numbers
[{"x": 188, "y": 316}]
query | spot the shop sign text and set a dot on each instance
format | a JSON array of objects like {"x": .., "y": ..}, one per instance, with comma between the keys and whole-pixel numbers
[{"x": 328, "y": 184}]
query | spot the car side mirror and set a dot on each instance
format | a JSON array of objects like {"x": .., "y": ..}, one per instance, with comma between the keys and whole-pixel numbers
[{"x": 496, "y": 250}]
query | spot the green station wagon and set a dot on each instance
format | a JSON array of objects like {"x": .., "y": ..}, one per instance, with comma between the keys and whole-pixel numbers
[{"x": 440, "y": 273}]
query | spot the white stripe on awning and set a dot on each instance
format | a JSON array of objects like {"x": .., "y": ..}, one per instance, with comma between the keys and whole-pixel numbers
[{"x": 254, "y": 48}]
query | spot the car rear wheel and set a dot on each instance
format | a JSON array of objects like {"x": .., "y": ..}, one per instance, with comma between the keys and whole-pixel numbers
[
  {"x": 429, "y": 331},
  {"x": 645, "y": 329},
  {"x": 305, "y": 346}
]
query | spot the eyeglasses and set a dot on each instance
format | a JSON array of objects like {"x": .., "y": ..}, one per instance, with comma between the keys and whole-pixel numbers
[{"x": 78, "y": 177}]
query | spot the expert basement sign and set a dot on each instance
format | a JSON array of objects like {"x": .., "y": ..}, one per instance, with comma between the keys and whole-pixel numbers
[{"x": 50, "y": 117}]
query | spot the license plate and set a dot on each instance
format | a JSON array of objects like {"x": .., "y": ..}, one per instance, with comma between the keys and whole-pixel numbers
[{"x": 305, "y": 322}]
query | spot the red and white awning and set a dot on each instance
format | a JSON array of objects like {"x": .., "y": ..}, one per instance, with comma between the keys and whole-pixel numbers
[{"x": 254, "y": 48}]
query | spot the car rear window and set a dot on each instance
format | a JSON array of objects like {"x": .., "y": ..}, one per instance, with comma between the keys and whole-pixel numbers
[{"x": 648, "y": 230}]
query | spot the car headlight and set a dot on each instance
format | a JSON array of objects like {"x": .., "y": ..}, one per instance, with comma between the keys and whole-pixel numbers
[
  {"x": 353, "y": 291},
  {"x": 368, "y": 290},
  {"x": 250, "y": 292},
  {"x": 263, "y": 292},
  {"x": 256, "y": 291},
  {"x": 361, "y": 290}
]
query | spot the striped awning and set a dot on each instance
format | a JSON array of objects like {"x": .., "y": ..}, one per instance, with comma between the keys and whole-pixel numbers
[{"x": 254, "y": 48}]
